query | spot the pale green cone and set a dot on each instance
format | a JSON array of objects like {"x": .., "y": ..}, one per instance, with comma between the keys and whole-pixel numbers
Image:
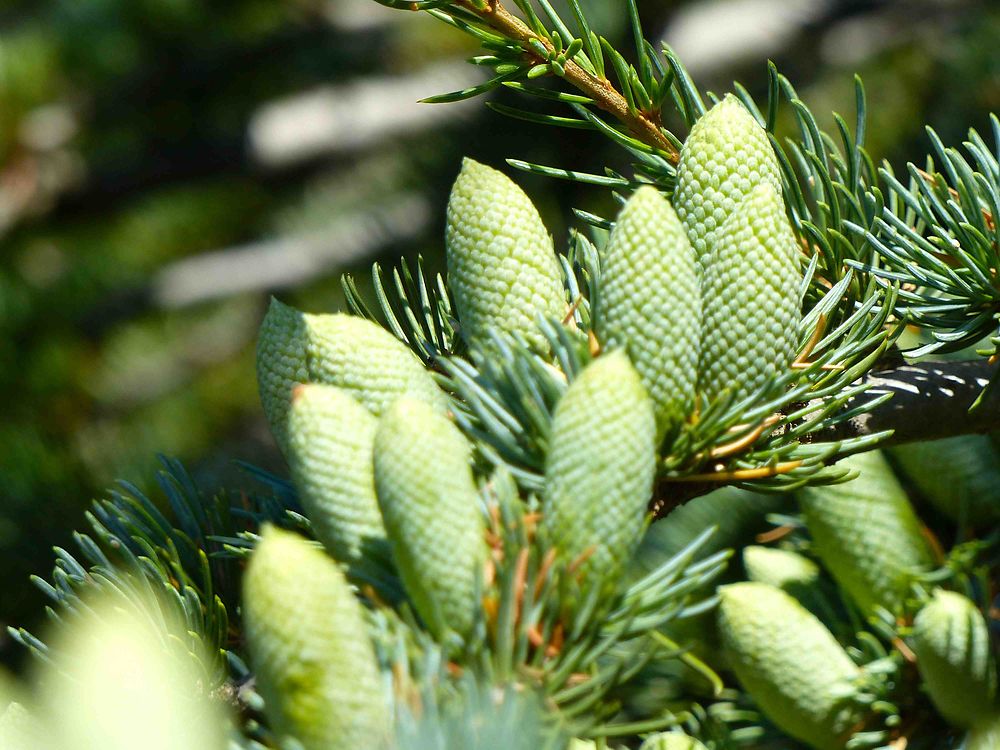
[
  {"x": 789, "y": 571},
  {"x": 502, "y": 268},
  {"x": 954, "y": 653},
  {"x": 600, "y": 466},
  {"x": 671, "y": 741},
  {"x": 122, "y": 681},
  {"x": 750, "y": 298},
  {"x": 335, "y": 349},
  {"x": 19, "y": 729},
  {"x": 431, "y": 511},
  {"x": 314, "y": 662},
  {"x": 960, "y": 476},
  {"x": 331, "y": 442},
  {"x": 281, "y": 363},
  {"x": 725, "y": 157},
  {"x": 866, "y": 533},
  {"x": 650, "y": 303},
  {"x": 789, "y": 663}
]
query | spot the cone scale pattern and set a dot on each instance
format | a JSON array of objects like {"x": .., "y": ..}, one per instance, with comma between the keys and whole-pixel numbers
[
  {"x": 331, "y": 441},
  {"x": 342, "y": 350},
  {"x": 751, "y": 301},
  {"x": 952, "y": 642},
  {"x": 960, "y": 476},
  {"x": 789, "y": 663},
  {"x": 724, "y": 158},
  {"x": 306, "y": 634},
  {"x": 600, "y": 465},
  {"x": 866, "y": 533},
  {"x": 650, "y": 303},
  {"x": 502, "y": 267},
  {"x": 430, "y": 507}
]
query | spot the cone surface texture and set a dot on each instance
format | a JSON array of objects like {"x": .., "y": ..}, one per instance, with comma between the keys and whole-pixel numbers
[
  {"x": 952, "y": 642},
  {"x": 281, "y": 363},
  {"x": 750, "y": 298},
  {"x": 600, "y": 465},
  {"x": 430, "y": 507},
  {"x": 724, "y": 158},
  {"x": 650, "y": 303},
  {"x": 342, "y": 350},
  {"x": 783, "y": 569},
  {"x": 331, "y": 442},
  {"x": 866, "y": 533},
  {"x": 309, "y": 647},
  {"x": 789, "y": 663},
  {"x": 502, "y": 268},
  {"x": 960, "y": 476}
]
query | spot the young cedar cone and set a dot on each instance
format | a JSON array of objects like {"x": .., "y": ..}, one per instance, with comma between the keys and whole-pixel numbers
[
  {"x": 342, "y": 350},
  {"x": 600, "y": 466},
  {"x": 314, "y": 662},
  {"x": 750, "y": 298},
  {"x": 125, "y": 679},
  {"x": 331, "y": 438},
  {"x": 789, "y": 663},
  {"x": 952, "y": 642},
  {"x": 726, "y": 155},
  {"x": 502, "y": 268},
  {"x": 431, "y": 511},
  {"x": 960, "y": 476},
  {"x": 789, "y": 571},
  {"x": 866, "y": 533},
  {"x": 650, "y": 303},
  {"x": 671, "y": 741}
]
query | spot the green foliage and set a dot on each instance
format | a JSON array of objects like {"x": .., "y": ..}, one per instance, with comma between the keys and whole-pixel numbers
[{"x": 512, "y": 426}]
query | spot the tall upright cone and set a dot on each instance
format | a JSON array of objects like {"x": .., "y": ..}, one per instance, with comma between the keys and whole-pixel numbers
[
  {"x": 502, "y": 267},
  {"x": 600, "y": 466},
  {"x": 750, "y": 293},
  {"x": 789, "y": 663},
  {"x": 431, "y": 511},
  {"x": 650, "y": 303},
  {"x": 955, "y": 655},
  {"x": 331, "y": 442},
  {"x": 308, "y": 644},
  {"x": 866, "y": 533},
  {"x": 725, "y": 157},
  {"x": 342, "y": 350}
]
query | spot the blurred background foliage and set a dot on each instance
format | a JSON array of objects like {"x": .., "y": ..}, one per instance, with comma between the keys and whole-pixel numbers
[{"x": 166, "y": 165}]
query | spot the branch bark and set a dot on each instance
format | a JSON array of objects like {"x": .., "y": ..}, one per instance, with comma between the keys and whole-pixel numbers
[{"x": 930, "y": 401}]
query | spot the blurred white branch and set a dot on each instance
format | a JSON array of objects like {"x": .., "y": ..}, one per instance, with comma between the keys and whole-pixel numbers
[
  {"x": 360, "y": 114},
  {"x": 288, "y": 261}
]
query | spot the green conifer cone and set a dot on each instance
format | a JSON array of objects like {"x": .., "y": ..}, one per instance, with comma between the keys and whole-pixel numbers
[
  {"x": 789, "y": 571},
  {"x": 431, "y": 511},
  {"x": 789, "y": 663},
  {"x": 19, "y": 730},
  {"x": 331, "y": 442},
  {"x": 600, "y": 466},
  {"x": 866, "y": 533},
  {"x": 960, "y": 476},
  {"x": 502, "y": 268},
  {"x": 308, "y": 643},
  {"x": 726, "y": 155},
  {"x": 750, "y": 298},
  {"x": 342, "y": 350},
  {"x": 952, "y": 642},
  {"x": 671, "y": 741},
  {"x": 650, "y": 303}
]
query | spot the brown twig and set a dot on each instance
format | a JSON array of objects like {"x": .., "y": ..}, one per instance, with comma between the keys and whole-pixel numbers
[{"x": 641, "y": 124}]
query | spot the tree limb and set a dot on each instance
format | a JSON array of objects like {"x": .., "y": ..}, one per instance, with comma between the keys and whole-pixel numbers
[{"x": 930, "y": 401}]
